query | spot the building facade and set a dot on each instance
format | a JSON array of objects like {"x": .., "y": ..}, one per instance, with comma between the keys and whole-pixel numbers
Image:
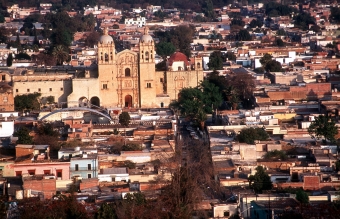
[{"x": 126, "y": 79}]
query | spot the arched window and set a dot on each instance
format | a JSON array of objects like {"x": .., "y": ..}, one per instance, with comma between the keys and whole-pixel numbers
[
  {"x": 111, "y": 56},
  {"x": 106, "y": 57},
  {"x": 127, "y": 72},
  {"x": 198, "y": 65},
  {"x": 151, "y": 54},
  {"x": 147, "y": 56},
  {"x": 101, "y": 56}
]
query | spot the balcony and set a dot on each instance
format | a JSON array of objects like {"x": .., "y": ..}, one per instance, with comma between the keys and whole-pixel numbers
[{"x": 74, "y": 169}]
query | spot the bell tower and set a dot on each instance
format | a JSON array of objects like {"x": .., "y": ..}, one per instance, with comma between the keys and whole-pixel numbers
[
  {"x": 106, "y": 49},
  {"x": 147, "y": 78}
]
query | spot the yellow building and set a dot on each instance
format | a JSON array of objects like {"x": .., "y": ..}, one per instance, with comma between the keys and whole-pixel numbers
[{"x": 129, "y": 79}]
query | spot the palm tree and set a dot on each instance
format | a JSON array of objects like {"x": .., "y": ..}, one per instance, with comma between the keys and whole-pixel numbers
[{"x": 60, "y": 54}]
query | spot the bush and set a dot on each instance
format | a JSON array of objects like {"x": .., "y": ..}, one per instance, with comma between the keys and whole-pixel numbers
[
  {"x": 249, "y": 135},
  {"x": 276, "y": 154},
  {"x": 129, "y": 164}
]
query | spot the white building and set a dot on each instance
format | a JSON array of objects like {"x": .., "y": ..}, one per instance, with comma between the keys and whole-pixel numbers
[{"x": 138, "y": 21}]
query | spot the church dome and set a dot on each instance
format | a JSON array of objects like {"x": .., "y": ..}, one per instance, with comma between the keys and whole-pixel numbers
[
  {"x": 146, "y": 38},
  {"x": 178, "y": 57},
  {"x": 106, "y": 38}
]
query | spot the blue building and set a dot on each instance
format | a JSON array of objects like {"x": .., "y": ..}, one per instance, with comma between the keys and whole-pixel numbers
[{"x": 84, "y": 166}]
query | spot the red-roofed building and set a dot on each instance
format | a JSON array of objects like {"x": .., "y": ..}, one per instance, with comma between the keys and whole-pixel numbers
[{"x": 178, "y": 62}]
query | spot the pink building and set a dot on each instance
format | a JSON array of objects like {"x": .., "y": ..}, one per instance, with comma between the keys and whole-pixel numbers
[{"x": 61, "y": 170}]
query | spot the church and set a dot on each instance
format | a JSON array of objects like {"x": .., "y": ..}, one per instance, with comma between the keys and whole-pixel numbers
[{"x": 126, "y": 79}]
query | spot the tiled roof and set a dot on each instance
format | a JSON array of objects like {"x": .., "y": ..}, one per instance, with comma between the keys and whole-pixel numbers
[{"x": 178, "y": 56}]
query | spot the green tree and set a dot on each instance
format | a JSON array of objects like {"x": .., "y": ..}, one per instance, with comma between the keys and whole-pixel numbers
[
  {"x": 237, "y": 22},
  {"x": 189, "y": 103},
  {"x": 335, "y": 15},
  {"x": 230, "y": 56},
  {"x": 249, "y": 135},
  {"x": 243, "y": 35},
  {"x": 273, "y": 66},
  {"x": 124, "y": 120},
  {"x": 302, "y": 196},
  {"x": 165, "y": 49},
  {"x": 180, "y": 36},
  {"x": 208, "y": 9},
  {"x": 323, "y": 126},
  {"x": 131, "y": 147},
  {"x": 2, "y": 18},
  {"x": 315, "y": 28},
  {"x": 106, "y": 211},
  {"x": 35, "y": 41},
  {"x": 279, "y": 42},
  {"x": 47, "y": 134},
  {"x": 211, "y": 97},
  {"x": 9, "y": 60},
  {"x": 60, "y": 53},
  {"x": 27, "y": 102},
  {"x": 23, "y": 56},
  {"x": 129, "y": 164},
  {"x": 281, "y": 32},
  {"x": 23, "y": 135},
  {"x": 92, "y": 39},
  {"x": 255, "y": 23},
  {"x": 61, "y": 37},
  {"x": 265, "y": 59},
  {"x": 215, "y": 61},
  {"x": 276, "y": 154},
  {"x": 260, "y": 181},
  {"x": 243, "y": 84},
  {"x": 195, "y": 103},
  {"x": 303, "y": 20},
  {"x": 18, "y": 43},
  {"x": 50, "y": 99},
  {"x": 337, "y": 165},
  {"x": 47, "y": 129}
]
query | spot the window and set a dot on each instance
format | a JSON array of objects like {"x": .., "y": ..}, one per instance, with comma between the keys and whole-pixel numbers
[
  {"x": 198, "y": 65},
  {"x": 76, "y": 167},
  {"x": 161, "y": 80},
  {"x": 28, "y": 90},
  {"x": 127, "y": 72},
  {"x": 18, "y": 173},
  {"x": 89, "y": 166},
  {"x": 147, "y": 56},
  {"x": 162, "y": 104},
  {"x": 61, "y": 89},
  {"x": 5, "y": 99},
  {"x": 47, "y": 172},
  {"x": 3, "y": 77},
  {"x": 16, "y": 90},
  {"x": 226, "y": 214},
  {"x": 31, "y": 172},
  {"x": 106, "y": 57},
  {"x": 104, "y": 86},
  {"x": 89, "y": 176},
  {"x": 59, "y": 173},
  {"x": 148, "y": 85},
  {"x": 50, "y": 89},
  {"x": 39, "y": 89}
]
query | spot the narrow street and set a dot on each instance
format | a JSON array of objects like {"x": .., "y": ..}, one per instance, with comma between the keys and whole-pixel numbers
[{"x": 196, "y": 155}]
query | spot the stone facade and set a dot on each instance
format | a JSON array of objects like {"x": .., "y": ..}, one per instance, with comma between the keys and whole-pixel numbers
[{"x": 125, "y": 79}]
